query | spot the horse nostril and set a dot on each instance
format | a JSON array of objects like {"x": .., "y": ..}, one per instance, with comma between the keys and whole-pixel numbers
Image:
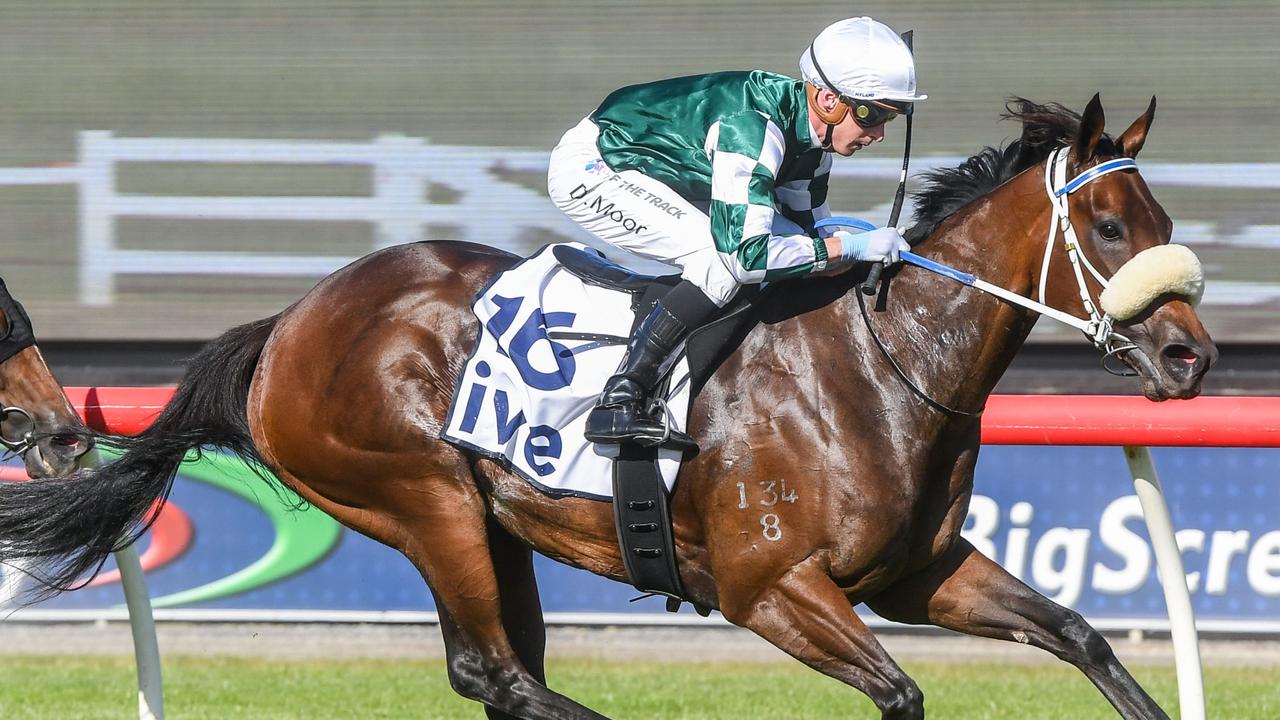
[
  {"x": 1181, "y": 352},
  {"x": 68, "y": 439},
  {"x": 1181, "y": 360}
]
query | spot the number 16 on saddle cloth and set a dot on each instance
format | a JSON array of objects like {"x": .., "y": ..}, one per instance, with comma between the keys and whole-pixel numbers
[{"x": 536, "y": 372}]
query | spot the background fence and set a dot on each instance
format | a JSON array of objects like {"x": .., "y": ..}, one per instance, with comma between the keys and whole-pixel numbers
[
  {"x": 1056, "y": 508},
  {"x": 400, "y": 210},
  {"x": 156, "y": 187}
]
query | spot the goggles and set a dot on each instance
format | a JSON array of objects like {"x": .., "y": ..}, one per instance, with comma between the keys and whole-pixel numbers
[{"x": 870, "y": 113}]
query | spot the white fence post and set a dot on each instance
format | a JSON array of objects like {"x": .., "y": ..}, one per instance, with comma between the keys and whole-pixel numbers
[
  {"x": 12, "y": 575},
  {"x": 97, "y": 221},
  {"x": 142, "y": 624},
  {"x": 398, "y": 185},
  {"x": 1177, "y": 598},
  {"x": 146, "y": 649}
]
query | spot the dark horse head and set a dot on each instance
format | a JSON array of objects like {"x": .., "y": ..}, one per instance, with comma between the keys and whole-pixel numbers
[
  {"x": 1114, "y": 218},
  {"x": 36, "y": 419}
]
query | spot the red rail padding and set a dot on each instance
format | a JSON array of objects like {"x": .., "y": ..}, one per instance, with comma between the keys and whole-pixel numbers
[
  {"x": 1111, "y": 420},
  {"x": 119, "y": 410},
  {"x": 1009, "y": 419}
]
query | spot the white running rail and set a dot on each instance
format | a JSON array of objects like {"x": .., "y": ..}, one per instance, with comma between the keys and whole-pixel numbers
[
  {"x": 1177, "y": 597},
  {"x": 402, "y": 168}
]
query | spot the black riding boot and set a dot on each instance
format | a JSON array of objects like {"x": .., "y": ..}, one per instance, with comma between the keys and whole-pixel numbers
[{"x": 623, "y": 413}]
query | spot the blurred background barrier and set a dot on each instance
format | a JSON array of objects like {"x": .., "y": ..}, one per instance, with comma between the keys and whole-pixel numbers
[
  {"x": 171, "y": 169},
  {"x": 1055, "y": 508},
  {"x": 399, "y": 209}
]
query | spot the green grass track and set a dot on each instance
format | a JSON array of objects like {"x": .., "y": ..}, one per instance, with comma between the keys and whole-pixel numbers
[{"x": 37, "y": 688}]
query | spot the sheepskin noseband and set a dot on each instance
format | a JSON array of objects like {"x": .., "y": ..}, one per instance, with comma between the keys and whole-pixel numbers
[{"x": 1156, "y": 271}]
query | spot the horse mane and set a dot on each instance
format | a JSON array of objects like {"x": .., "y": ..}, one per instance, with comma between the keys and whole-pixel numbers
[{"x": 1044, "y": 128}]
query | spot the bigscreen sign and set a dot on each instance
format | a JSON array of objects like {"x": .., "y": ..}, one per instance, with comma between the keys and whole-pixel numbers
[{"x": 1062, "y": 519}]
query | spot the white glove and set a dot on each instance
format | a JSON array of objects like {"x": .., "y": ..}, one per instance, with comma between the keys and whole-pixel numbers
[{"x": 879, "y": 245}]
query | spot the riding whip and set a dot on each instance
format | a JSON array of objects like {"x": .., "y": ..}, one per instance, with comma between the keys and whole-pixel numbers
[{"x": 873, "y": 275}]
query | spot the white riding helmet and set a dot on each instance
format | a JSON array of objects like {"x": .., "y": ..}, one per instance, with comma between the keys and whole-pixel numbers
[{"x": 860, "y": 58}]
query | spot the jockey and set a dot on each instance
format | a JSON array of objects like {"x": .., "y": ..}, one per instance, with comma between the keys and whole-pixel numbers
[{"x": 724, "y": 176}]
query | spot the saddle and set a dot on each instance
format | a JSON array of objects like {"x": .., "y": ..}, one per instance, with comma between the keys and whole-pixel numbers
[
  {"x": 597, "y": 270},
  {"x": 707, "y": 347}
]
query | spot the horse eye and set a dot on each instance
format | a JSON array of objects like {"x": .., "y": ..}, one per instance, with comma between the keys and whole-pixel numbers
[{"x": 1110, "y": 230}]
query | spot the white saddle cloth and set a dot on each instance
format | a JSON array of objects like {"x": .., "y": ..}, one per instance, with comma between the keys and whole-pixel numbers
[{"x": 524, "y": 395}]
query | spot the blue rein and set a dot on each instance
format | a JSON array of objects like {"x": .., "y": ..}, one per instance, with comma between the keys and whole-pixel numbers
[{"x": 910, "y": 257}]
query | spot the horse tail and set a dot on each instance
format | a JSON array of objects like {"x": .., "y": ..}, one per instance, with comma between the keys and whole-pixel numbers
[{"x": 68, "y": 526}]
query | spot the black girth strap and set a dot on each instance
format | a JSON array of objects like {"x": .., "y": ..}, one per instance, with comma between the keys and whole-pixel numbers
[{"x": 642, "y": 512}]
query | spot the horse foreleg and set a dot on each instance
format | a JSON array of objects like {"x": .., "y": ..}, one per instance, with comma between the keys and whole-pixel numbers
[
  {"x": 806, "y": 615},
  {"x": 967, "y": 592}
]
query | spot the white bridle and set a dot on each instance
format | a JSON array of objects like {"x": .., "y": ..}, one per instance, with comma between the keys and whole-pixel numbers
[
  {"x": 1098, "y": 327},
  {"x": 1153, "y": 272},
  {"x": 1158, "y": 270}
]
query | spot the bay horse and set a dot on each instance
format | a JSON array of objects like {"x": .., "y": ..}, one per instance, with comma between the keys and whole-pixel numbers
[
  {"x": 343, "y": 397},
  {"x": 37, "y": 421}
]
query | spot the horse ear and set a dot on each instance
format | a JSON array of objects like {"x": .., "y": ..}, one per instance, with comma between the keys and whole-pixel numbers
[
  {"x": 1132, "y": 139},
  {"x": 1091, "y": 124}
]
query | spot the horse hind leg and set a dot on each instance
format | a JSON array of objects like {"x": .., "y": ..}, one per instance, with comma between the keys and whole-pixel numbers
[
  {"x": 440, "y": 523},
  {"x": 805, "y": 614},
  {"x": 968, "y": 592}
]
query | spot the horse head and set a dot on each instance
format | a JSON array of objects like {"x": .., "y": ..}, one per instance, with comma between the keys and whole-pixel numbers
[
  {"x": 1125, "y": 267},
  {"x": 37, "y": 420}
]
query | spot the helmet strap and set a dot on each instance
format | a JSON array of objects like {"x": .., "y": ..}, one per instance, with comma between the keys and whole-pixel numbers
[{"x": 831, "y": 117}]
